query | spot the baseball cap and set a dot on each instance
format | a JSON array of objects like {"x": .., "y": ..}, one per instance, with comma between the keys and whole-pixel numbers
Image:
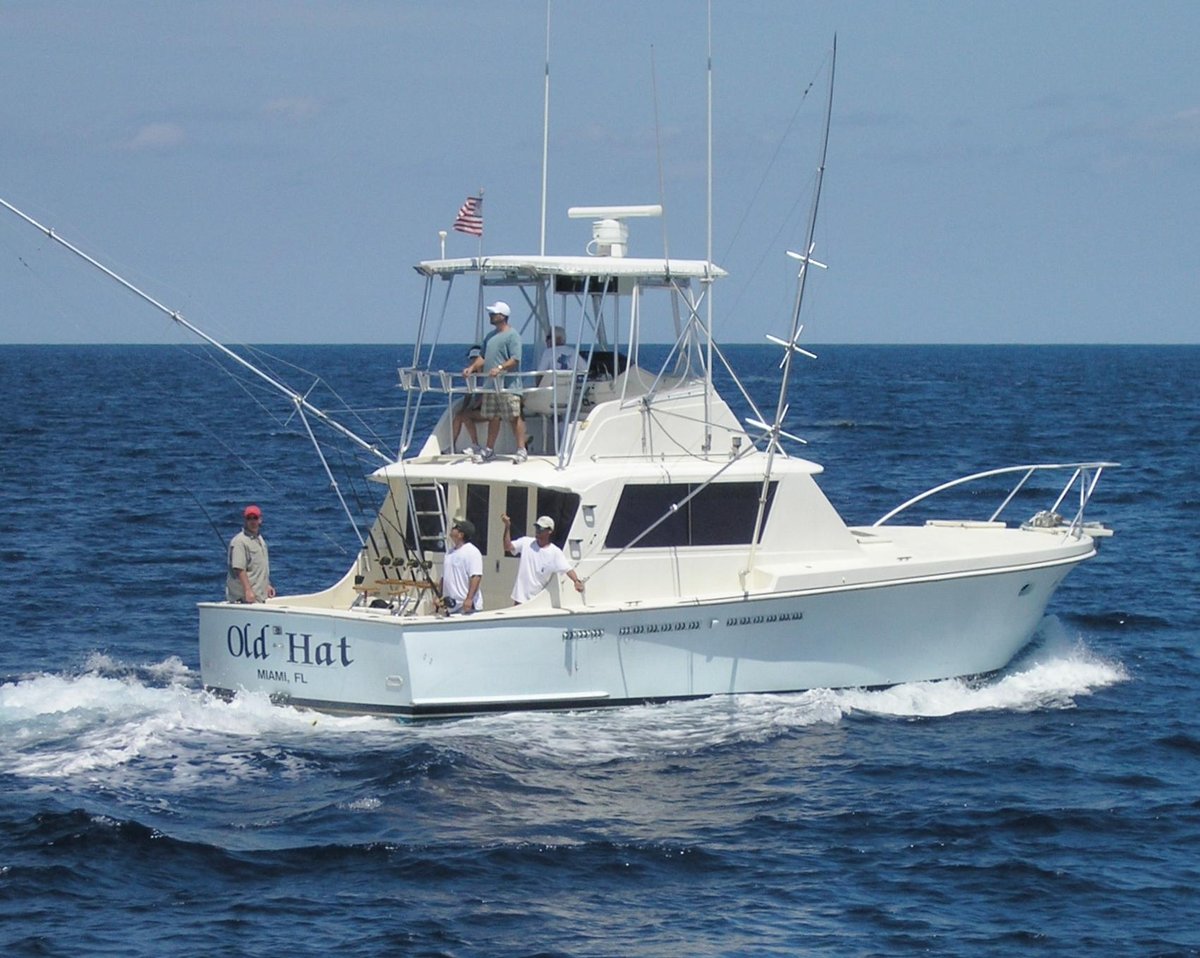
[
  {"x": 251, "y": 511},
  {"x": 499, "y": 307},
  {"x": 466, "y": 527},
  {"x": 474, "y": 352},
  {"x": 544, "y": 522}
]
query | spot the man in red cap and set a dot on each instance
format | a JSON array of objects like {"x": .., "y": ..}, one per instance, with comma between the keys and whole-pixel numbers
[{"x": 249, "y": 569}]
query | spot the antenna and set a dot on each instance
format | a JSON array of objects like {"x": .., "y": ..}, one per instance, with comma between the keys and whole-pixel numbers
[
  {"x": 708, "y": 253},
  {"x": 545, "y": 131}
]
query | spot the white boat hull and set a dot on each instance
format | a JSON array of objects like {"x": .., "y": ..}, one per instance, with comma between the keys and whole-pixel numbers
[{"x": 875, "y": 635}]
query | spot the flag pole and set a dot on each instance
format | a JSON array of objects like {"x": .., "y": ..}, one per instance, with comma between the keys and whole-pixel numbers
[{"x": 480, "y": 254}]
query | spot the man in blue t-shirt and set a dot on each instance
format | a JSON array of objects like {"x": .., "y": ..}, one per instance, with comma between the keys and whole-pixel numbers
[{"x": 501, "y": 358}]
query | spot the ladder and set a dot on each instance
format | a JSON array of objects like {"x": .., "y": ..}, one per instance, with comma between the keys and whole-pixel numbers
[{"x": 427, "y": 517}]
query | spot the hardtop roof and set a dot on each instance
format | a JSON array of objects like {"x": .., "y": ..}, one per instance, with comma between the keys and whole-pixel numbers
[{"x": 534, "y": 266}]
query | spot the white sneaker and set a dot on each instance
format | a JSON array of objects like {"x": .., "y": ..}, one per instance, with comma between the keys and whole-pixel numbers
[
  {"x": 484, "y": 455},
  {"x": 522, "y": 456},
  {"x": 468, "y": 450}
]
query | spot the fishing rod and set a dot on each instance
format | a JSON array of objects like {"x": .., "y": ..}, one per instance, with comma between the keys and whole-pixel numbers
[
  {"x": 298, "y": 399},
  {"x": 416, "y": 554},
  {"x": 220, "y": 536},
  {"x": 413, "y": 559}
]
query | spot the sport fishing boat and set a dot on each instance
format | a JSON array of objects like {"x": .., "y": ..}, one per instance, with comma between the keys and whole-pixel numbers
[{"x": 711, "y": 561}]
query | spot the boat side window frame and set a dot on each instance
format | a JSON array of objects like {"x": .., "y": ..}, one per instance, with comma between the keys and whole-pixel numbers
[
  {"x": 719, "y": 514},
  {"x": 516, "y": 506},
  {"x": 477, "y": 509},
  {"x": 560, "y": 506}
]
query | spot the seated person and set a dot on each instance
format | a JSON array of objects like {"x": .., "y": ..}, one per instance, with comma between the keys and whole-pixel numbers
[
  {"x": 558, "y": 355},
  {"x": 469, "y": 412}
]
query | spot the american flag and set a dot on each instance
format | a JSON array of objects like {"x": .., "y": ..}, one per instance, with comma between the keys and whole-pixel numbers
[{"x": 470, "y": 216}]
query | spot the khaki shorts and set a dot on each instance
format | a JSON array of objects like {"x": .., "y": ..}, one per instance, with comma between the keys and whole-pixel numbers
[
  {"x": 472, "y": 407},
  {"x": 501, "y": 406}
]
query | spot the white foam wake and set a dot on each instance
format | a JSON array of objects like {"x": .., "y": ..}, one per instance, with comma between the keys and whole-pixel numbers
[
  {"x": 158, "y": 720},
  {"x": 1053, "y": 675},
  {"x": 110, "y": 717}
]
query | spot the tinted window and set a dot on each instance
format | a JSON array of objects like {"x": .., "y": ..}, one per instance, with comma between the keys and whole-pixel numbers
[
  {"x": 477, "y": 512},
  {"x": 516, "y": 505},
  {"x": 719, "y": 514},
  {"x": 561, "y": 507}
]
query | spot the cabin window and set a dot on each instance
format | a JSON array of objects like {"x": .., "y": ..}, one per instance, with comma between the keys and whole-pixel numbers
[
  {"x": 476, "y": 510},
  {"x": 720, "y": 514},
  {"x": 516, "y": 505},
  {"x": 561, "y": 507}
]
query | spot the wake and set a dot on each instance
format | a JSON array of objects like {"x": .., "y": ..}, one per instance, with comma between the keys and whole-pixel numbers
[{"x": 112, "y": 717}]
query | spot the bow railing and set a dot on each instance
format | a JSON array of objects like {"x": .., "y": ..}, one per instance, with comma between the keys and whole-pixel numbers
[{"x": 1083, "y": 480}]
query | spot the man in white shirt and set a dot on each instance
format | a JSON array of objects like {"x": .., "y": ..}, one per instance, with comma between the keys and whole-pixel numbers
[
  {"x": 540, "y": 559},
  {"x": 462, "y": 571}
]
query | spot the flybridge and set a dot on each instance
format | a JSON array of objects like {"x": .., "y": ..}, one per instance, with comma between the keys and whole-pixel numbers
[{"x": 601, "y": 307}]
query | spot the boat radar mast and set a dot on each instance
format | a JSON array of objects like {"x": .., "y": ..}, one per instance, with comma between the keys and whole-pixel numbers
[{"x": 610, "y": 234}]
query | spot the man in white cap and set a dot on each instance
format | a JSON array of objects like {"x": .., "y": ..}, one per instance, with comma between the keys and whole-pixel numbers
[
  {"x": 540, "y": 559},
  {"x": 500, "y": 360}
]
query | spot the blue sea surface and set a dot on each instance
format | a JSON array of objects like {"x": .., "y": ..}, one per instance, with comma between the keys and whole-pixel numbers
[{"x": 1053, "y": 808}]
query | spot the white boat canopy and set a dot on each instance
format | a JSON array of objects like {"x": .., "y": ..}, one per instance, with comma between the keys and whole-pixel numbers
[{"x": 512, "y": 267}]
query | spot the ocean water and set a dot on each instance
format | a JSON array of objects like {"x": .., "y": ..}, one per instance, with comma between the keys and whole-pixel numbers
[{"x": 1053, "y": 808}]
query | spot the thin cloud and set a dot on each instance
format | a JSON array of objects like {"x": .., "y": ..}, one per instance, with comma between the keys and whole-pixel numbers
[
  {"x": 1178, "y": 129},
  {"x": 156, "y": 136},
  {"x": 294, "y": 108}
]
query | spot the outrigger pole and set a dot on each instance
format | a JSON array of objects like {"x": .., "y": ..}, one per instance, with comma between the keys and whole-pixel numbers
[
  {"x": 298, "y": 399},
  {"x": 791, "y": 347}
]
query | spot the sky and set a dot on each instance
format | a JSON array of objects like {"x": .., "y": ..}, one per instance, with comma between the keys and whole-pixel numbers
[{"x": 998, "y": 172}]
